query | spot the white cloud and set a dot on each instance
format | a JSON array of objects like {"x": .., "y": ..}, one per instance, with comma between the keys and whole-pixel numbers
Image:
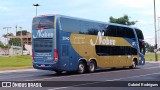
[
  {"x": 133, "y": 3},
  {"x": 145, "y": 22},
  {"x": 4, "y": 9},
  {"x": 146, "y": 13}
]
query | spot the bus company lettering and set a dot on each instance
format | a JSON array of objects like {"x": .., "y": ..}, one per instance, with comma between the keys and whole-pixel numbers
[
  {"x": 103, "y": 41},
  {"x": 43, "y": 34}
]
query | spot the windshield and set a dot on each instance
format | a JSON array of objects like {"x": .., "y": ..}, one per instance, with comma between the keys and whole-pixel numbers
[
  {"x": 46, "y": 22},
  {"x": 139, "y": 34}
]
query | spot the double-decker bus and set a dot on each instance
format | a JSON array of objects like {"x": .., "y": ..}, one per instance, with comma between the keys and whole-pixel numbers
[{"x": 64, "y": 43}]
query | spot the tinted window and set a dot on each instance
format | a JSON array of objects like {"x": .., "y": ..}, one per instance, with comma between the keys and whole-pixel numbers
[
  {"x": 111, "y": 31},
  {"x": 129, "y": 33},
  {"x": 118, "y": 31},
  {"x": 43, "y": 45},
  {"x": 70, "y": 25},
  {"x": 91, "y": 28},
  {"x": 81, "y": 27},
  {"x": 115, "y": 50},
  {"x": 43, "y": 22},
  {"x": 139, "y": 34}
]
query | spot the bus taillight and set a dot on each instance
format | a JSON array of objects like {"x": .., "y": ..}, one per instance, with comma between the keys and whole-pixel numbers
[
  {"x": 32, "y": 56},
  {"x": 55, "y": 55}
]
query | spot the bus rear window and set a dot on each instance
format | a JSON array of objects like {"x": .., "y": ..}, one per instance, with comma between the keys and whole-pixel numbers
[
  {"x": 43, "y": 45},
  {"x": 46, "y": 22}
]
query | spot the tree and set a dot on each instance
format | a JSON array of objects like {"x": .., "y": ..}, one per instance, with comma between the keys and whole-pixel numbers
[
  {"x": 149, "y": 48},
  {"x": 122, "y": 20},
  {"x": 4, "y": 46},
  {"x": 15, "y": 41},
  {"x": 1, "y": 44},
  {"x": 24, "y": 32},
  {"x": 8, "y": 34}
]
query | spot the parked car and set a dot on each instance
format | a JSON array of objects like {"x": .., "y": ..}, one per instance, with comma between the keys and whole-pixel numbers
[{"x": 25, "y": 52}]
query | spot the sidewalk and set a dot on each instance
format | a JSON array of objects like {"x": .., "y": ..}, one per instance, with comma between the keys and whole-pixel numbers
[
  {"x": 15, "y": 68},
  {"x": 153, "y": 61}
]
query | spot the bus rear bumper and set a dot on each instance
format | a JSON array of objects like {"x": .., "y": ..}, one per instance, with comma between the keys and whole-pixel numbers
[{"x": 46, "y": 66}]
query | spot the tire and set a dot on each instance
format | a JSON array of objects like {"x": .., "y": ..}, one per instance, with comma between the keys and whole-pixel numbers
[
  {"x": 81, "y": 68},
  {"x": 91, "y": 67},
  {"x": 133, "y": 65}
]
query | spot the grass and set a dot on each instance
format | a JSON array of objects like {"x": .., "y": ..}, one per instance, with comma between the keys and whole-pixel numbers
[
  {"x": 15, "y": 61},
  {"x": 151, "y": 57},
  {"x": 19, "y": 62}
]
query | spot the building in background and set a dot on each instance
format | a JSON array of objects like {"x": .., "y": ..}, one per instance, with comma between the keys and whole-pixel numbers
[
  {"x": 26, "y": 39},
  {"x": 27, "y": 42}
]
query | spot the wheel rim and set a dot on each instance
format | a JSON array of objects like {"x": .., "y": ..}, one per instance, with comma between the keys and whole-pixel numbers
[
  {"x": 81, "y": 68},
  {"x": 92, "y": 67},
  {"x": 133, "y": 64}
]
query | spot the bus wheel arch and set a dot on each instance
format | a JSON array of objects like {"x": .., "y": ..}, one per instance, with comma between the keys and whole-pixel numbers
[
  {"x": 134, "y": 63},
  {"x": 92, "y": 65}
]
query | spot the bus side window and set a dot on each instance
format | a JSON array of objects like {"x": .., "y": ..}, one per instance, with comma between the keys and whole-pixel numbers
[{"x": 111, "y": 31}]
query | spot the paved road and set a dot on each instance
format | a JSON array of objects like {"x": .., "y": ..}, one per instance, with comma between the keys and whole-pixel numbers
[{"x": 148, "y": 72}]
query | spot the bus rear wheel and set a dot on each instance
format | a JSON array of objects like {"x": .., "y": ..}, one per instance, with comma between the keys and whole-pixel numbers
[
  {"x": 81, "y": 68},
  {"x": 133, "y": 65},
  {"x": 91, "y": 67}
]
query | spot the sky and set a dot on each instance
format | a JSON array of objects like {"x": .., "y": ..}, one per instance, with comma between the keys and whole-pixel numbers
[{"x": 21, "y": 12}]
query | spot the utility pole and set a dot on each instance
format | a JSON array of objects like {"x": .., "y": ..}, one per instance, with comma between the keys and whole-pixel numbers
[
  {"x": 7, "y": 37},
  {"x": 36, "y": 5},
  {"x": 158, "y": 29},
  {"x": 156, "y": 56},
  {"x": 21, "y": 40},
  {"x": 16, "y": 30}
]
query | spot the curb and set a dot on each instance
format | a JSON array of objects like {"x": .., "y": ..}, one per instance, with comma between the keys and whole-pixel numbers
[
  {"x": 15, "y": 68},
  {"x": 153, "y": 61},
  {"x": 18, "y": 70}
]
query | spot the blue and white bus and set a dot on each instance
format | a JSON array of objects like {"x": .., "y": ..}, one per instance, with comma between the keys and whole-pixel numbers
[{"x": 63, "y": 43}]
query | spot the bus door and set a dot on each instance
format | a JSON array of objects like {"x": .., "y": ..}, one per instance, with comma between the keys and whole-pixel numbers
[
  {"x": 68, "y": 57},
  {"x": 64, "y": 58}
]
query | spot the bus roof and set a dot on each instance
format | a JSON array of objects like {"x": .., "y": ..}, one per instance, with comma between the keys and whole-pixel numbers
[{"x": 88, "y": 20}]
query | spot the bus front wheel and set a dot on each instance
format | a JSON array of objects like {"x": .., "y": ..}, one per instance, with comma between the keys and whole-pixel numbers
[
  {"x": 81, "y": 68},
  {"x": 133, "y": 65}
]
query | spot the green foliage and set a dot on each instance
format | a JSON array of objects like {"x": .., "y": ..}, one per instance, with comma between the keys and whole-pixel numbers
[
  {"x": 8, "y": 34},
  {"x": 4, "y": 46},
  {"x": 151, "y": 57},
  {"x": 15, "y": 41},
  {"x": 1, "y": 44},
  {"x": 149, "y": 48},
  {"x": 7, "y": 46},
  {"x": 122, "y": 20}
]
